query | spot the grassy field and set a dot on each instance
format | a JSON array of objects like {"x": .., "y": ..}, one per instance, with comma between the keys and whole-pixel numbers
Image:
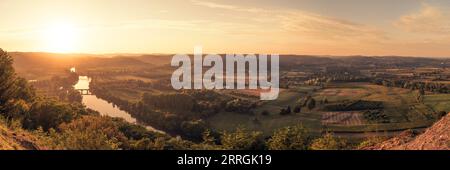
[
  {"x": 439, "y": 102},
  {"x": 400, "y": 105}
]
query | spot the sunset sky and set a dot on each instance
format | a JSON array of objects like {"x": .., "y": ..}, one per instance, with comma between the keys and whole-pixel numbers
[{"x": 321, "y": 27}]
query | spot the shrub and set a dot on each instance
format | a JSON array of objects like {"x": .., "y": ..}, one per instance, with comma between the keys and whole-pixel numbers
[
  {"x": 289, "y": 138},
  {"x": 328, "y": 142},
  {"x": 90, "y": 133},
  {"x": 242, "y": 139}
]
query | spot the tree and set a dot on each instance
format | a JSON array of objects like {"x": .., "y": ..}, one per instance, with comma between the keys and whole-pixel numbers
[
  {"x": 50, "y": 114},
  {"x": 328, "y": 142},
  {"x": 311, "y": 104},
  {"x": 370, "y": 141},
  {"x": 194, "y": 129},
  {"x": 297, "y": 109},
  {"x": 242, "y": 139},
  {"x": 265, "y": 113},
  {"x": 24, "y": 90},
  {"x": 420, "y": 95},
  {"x": 442, "y": 114},
  {"x": 74, "y": 96},
  {"x": 15, "y": 93},
  {"x": 288, "y": 110},
  {"x": 208, "y": 139},
  {"x": 7, "y": 77},
  {"x": 289, "y": 138},
  {"x": 16, "y": 109},
  {"x": 89, "y": 133}
]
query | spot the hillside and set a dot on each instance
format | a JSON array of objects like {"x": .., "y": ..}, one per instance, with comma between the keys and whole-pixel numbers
[
  {"x": 38, "y": 65},
  {"x": 17, "y": 140},
  {"x": 437, "y": 137}
]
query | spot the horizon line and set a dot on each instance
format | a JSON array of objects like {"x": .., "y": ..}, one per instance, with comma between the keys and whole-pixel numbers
[{"x": 285, "y": 54}]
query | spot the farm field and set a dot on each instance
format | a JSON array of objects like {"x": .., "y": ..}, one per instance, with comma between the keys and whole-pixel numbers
[{"x": 400, "y": 106}]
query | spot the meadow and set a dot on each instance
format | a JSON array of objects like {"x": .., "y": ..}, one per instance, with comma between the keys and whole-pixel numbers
[{"x": 400, "y": 106}]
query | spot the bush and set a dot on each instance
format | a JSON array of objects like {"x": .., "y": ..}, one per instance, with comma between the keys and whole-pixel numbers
[
  {"x": 193, "y": 130},
  {"x": 370, "y": 141},
  {"x": 328, "y": 142},
  {"x": 442, "y": 114},
  {"x": 90, "y": 133},
  {"x": 289, "y": 138},
  {"x": 242, "y": 139},
  {"x": 297, "y": 109},
  {"x": 376, "y": 116},
  {"x": 286, "y": 111},
  {"x": 311, "y": 104},
  {"x": 48, "y": 114}
]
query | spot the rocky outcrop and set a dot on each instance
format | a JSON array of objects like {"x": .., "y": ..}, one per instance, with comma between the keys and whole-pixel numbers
[{"x": 437, "y": 137}]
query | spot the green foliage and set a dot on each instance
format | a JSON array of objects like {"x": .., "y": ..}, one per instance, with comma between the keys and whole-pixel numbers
[
  {"x": 420, "y": 95},
  {"x": 242, "y": 139},
  {"x": 328, "y": 142},
  {"x": 13, "y": 90},
  {"x": 311, "y": 104},
  {"x": 286, "y": 111},
  {"x": 297, "y": 109},
  {"x": 135, "y": 132},
  {"x": 441, "y": 114},
  {"x": 50, "y": 114},
  {"x": 172, "y": 102},
  {"x": 24, "y": 91},
  {"x": 376, "y": 116},
  {"x": 352, "y": 105},
  {"x": 290, "y": 138},
  {"x": 162, "y": 143},
  {"x": 265, "y": 113},
  {"x": 240, "y": 106},
  {"x": 74, "y": 96},
  {"x": 16, "y": 109},
  {"x": 370, "y": 141},
  {"x": 193, "y": 130},
  {"x": 89, "y": 133},
  {"x": 7, "y": 78}
]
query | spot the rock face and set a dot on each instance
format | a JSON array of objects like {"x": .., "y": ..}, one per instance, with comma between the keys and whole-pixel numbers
[{"x": 437, "y": 137}]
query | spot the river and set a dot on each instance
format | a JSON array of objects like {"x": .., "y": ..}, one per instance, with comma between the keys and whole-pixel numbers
[{"x": 104, "y": 107}]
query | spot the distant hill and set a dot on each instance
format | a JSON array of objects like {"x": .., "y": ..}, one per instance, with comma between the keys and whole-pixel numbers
[
  {"x": 161, "y": 59},
  {"x": 27, "y": 59},
  {"x": 38, "y": 64},
  {"x": 52, "y": 60},
  {"x": 33, "y": 65},
  {"x": 437, "y": 137}
]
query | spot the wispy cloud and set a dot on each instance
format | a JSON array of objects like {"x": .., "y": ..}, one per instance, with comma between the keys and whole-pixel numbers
[
  {"x": 212, "y": 4},
  {"x": 327, "y": 27},
  {"x": 301, "y": 23},
  {"x": 429, "y": 19}
]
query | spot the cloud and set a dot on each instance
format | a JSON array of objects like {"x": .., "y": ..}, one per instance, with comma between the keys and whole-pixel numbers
[
  {"x": 301, "y": 23},
  {"x": 429, "y": 19},
  {"x": 327, "y": 27},
  {"x": 213, "y": 4}
]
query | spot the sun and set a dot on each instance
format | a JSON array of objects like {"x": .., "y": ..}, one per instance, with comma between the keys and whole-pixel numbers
[{"x": 61, "y": 37}]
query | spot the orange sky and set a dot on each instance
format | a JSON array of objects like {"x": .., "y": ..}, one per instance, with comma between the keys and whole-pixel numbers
[{"x": 322, "y": 27}]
